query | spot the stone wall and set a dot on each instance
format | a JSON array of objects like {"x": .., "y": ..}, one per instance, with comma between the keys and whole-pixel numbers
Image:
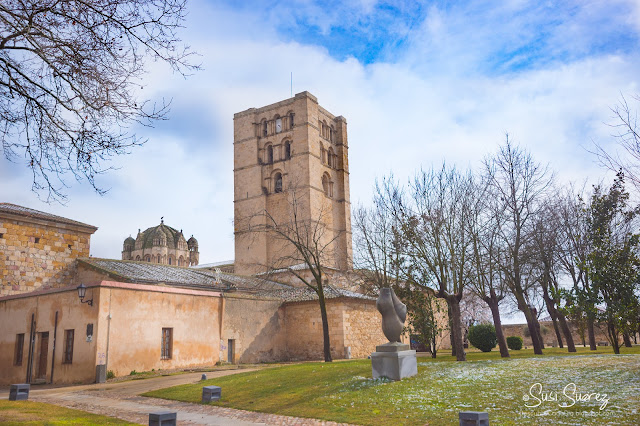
[
  {"x": 362, "y": 327},
  {"x": 38, "y": 254},
  {"x": 304, "y": 330},
  {"x": 352, "y": 323}
]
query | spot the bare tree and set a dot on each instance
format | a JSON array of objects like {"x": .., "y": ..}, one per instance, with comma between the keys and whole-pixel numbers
[
  {"x": 488, "y": 283},
  {"x": 378, "y": 258},
  {"x": 377, "y": 247},
  {"x": 432, "y": 225},
  {"x": 627, "y": 134},
  {"x": 70, "y": 76},
  {"x": 573, "y": 260},
  {"x": 305, "y": 246},
  {"x": 519, "y": 184},
  {"x": 548, "y": 245}
]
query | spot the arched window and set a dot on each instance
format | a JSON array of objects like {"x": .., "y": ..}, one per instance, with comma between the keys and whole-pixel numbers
[
  {"x": 265, "y": 128},
  {"x": 147, "y": 258},
  {"x": 170, "y": 261},
  {"x": 287, "y": 150},
  {"x": 277, "y": 187},
  {"x": 327, "y": 185},
  {"x": 331, "y": 158},
  {"x": 138, "y": 258},
  {"x": 270, "y": 154},
  {"x": 323, "y": 154},
  {"x": 180, "y": 261},
  {"x": 291, "y": 120}
]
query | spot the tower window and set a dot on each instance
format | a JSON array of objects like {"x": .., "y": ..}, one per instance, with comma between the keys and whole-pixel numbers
[
  {"x": 287, "y": 150},
  {"x": 265, "y": 129},
  {"x": 278, "y": 183},
  {"x": 278, "y": 125},
  {"x": 270, "y": 154},
  {"x": 291, "y": 120}
]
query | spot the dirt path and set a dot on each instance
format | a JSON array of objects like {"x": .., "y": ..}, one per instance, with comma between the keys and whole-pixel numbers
[{"x": 121, "y": 400}]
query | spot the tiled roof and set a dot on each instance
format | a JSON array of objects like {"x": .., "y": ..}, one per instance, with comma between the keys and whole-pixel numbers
[
  {"x": 303, "y": 294},
  {"x": 152, "y": 273},
  {"x": 36, "y": 214}
]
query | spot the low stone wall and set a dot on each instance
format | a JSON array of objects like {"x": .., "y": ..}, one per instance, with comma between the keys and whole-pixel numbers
[{"x": 549, "y": 334}]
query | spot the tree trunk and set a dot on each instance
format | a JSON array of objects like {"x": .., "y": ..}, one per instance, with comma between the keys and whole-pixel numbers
[
  {"x": 433, "y": 346},
  {"x": 492, "y": 301},
  {"x": 538, "y": 328},
  {"x": 613, "y": 336},
  {"x": 325, "y": 326},
  {"x": 452, "y": 339},
  {"x": 591, "y": 332},
  {"x": 551, "y": 308},
  {"x": 627, "y": 340},
  {"x": 456, "y": 324},
  {"x": 567, "y": 332},
  {"x": 531, "y": 323}
]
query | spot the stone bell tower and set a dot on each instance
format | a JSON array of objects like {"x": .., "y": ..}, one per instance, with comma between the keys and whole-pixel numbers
[{"x": 293, "y": 149}]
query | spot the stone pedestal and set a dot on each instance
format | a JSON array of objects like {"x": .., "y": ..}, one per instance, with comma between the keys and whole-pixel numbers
[{"x": 394, "y": 361}]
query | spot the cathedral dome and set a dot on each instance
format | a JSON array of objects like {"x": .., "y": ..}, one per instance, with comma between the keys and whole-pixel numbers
[
  {"x": 192, "y": 242},
  {"x": 160, "y": 235}
]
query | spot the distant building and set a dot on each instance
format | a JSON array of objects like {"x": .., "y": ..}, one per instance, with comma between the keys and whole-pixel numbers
[{"x": 161, "y": 244}]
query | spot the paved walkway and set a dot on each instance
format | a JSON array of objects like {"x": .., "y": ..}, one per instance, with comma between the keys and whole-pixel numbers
[{"x": 121, "y": 400}]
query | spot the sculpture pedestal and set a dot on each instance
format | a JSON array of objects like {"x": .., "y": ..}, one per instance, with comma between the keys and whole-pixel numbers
[{"x": 394, "y": 361}]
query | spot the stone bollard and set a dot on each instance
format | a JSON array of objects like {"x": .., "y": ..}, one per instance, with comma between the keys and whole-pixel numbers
[
  {"x": 211, "y": 393},
  {"x": 473, "y": 418},
  {"x": 204, "y": 377},
  {"x": 19, "y": 392},
  {"x": 163, "y": 418}
]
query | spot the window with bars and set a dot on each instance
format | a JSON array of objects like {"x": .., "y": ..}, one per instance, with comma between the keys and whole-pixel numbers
[
  {"x": 167, "y": 343},
  {"x": 17, "y": 360},
  {"x": 68, "y": 347}
]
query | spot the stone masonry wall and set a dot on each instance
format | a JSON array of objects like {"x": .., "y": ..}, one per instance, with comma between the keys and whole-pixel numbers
[
  {"x": 34, "y": 255},
  {"x": 362, "y": 327},
  {"x": 352, "y": 323},
  {"x": 304, "y": 330}
]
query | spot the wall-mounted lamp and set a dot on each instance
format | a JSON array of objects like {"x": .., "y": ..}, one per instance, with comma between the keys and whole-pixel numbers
[{"x": 82, "y": 291}]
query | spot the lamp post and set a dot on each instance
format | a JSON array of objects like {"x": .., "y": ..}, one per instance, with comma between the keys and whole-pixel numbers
[{"x": 82, "y": 291}]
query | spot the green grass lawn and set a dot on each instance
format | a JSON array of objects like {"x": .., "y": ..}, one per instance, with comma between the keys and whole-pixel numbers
[
  {"x": 345, "y": 391},
  {"x": 38, "y": 413}
]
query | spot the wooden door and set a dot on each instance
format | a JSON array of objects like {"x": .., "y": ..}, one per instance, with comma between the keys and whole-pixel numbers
[{"x": 41, "y": 372}]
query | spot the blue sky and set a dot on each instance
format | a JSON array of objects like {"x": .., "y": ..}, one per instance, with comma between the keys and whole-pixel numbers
[{"x": 419, "y": 83}]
